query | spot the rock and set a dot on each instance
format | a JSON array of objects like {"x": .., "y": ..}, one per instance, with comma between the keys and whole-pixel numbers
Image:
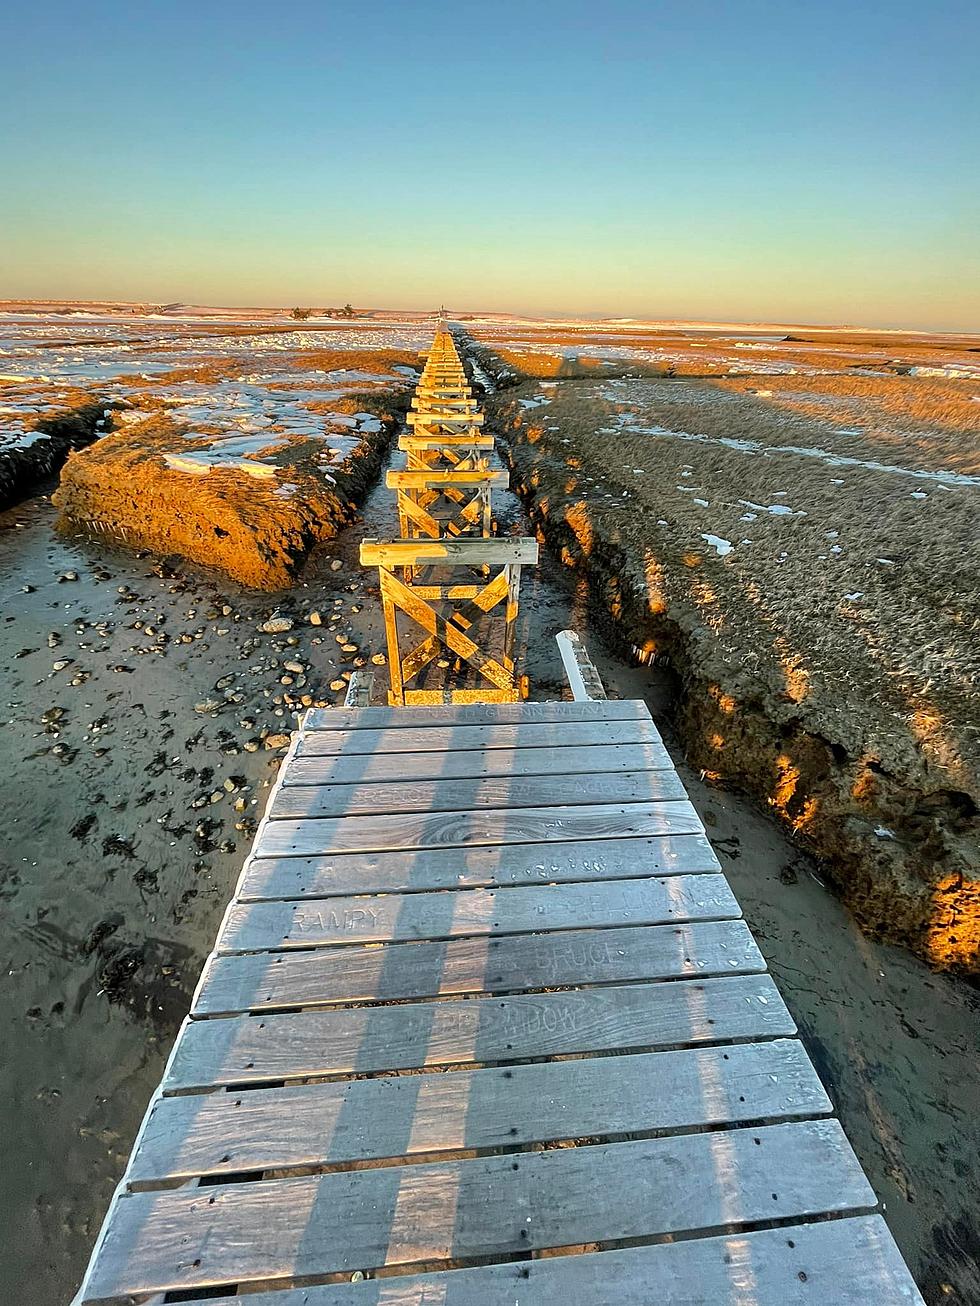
[
  {"x": 338, "y": 684},
  {"x": 54, "y": 639},
  {"x": 276, "y": 741},
  {"x": 67, "y": 575},
  {"x": 296, "y": 667},
  {"x": 315, "y": 619},
  {"x": 208, "y": 705},
  {"x": 336, "y": 564},
  {"x": 251, "y": 745},
  {"x": 379, "y": 659},
  {"x": 276, "y": 624},
  {"x": 61, "y": 664}
]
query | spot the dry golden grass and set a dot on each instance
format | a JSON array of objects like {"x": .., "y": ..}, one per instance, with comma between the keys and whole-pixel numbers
[
  {"x": 362, "y": 360},
  {"x": 220, "y": 369},
  {"x": 541, "y": 365}
]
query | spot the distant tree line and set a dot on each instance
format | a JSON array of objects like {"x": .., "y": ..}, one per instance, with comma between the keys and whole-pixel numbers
[{"x": 301, "y": 314}]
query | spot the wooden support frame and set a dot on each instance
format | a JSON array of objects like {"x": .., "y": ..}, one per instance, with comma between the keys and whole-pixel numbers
[
  {"x": 462, "y": 453},
  {"x": 467, "y": 491},
  {"x": 448, "y": 612}
]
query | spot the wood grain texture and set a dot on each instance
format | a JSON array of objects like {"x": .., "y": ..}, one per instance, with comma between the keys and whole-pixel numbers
[
  {"x": 491, "y": 1206},
  {"x": 849, "y": 1262},
  {"x": 374, "y": 718},
  {"x": 297, "y": 802},
  {"x": 450, "y": 868},
  {"x": 411, "y": 830},
  {"x": 251, "y": 1049},
  {"x": 372, "y": 1119},
  {"x": 474, "y": 763},
  {"x": 481, "y": 739},
  {"x": 326, "y": 976},
  {"x": 252, "y": 927}
]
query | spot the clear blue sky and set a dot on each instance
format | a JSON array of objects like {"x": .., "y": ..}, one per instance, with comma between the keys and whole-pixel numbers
[{"x": 791, "y": 161}]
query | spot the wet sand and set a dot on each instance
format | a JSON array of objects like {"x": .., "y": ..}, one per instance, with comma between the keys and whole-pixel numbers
[{"x": 112, "y": 884}]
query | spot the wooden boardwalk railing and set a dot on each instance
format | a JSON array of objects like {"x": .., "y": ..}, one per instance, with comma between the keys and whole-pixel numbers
[{"x": 483, "y": 1026}]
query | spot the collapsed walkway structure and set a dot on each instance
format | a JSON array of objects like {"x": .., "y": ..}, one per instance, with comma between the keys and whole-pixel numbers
[{"x": 482, "y": 1026}]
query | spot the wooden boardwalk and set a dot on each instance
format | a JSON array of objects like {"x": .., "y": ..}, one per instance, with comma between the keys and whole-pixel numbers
[{"x": 483, "y": 1026}]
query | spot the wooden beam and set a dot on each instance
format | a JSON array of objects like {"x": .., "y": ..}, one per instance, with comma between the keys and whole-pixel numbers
[
  {"x": 452, "y": 553},
  {"x": 439, "y": 477}
]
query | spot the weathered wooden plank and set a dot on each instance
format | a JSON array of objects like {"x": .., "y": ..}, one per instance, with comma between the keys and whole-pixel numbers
[
  {"x": 490, "y": 1206},
  {"x": 500, "y": 551},
  {"x": 849, "y": 1262},
  {"x": 473, "y": 764},
  {"x": 482, "y": 740},
  {"x": 267, "y": 981},
  {"x": 249, "y": 1049},
  {"x": 256, "y": 926},
  {"x": 438, "y": 477},
  {"x": 338, "y": 718},
  {"x": 477, "y": 867},
  {"x": 298, "y": 802},
  {"x": 374, "y": 1119},
  {"x": 409, "y": 830}
]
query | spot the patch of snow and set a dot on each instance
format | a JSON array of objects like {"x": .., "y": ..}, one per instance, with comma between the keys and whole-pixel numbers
[
  {"x": 721, "y": 547},
  {"x": 774, "y": 509}
]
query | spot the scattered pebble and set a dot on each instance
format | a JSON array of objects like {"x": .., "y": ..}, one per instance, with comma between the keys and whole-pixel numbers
[{"x": 276, "y": 625}]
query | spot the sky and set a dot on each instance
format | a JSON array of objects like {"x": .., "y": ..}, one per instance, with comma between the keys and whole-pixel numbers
[{"x": 742, "y": 161}]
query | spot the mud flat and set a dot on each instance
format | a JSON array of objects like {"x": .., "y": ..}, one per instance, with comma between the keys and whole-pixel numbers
[{"x": 801, "y": 546}]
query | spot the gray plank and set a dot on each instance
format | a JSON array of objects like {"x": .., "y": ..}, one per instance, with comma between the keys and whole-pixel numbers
[
  {"x": 252, "y": 927},
  {"x": 338, "y": 718},
  {"x": 423, "y": 738},
  {"x": 413, "y": 1115},
  {"x": 491, "y": 1206},
  {"x": 475, "y": 867},
  {"x": 475, "y": 763},
  {"x": 326, "y": 976},
  {"x": 410, "y": 830},
  {"x": 298, "y": 802},
  {"x": 849, "y": 1262},
  {"x": 250, "y": 1049}
]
